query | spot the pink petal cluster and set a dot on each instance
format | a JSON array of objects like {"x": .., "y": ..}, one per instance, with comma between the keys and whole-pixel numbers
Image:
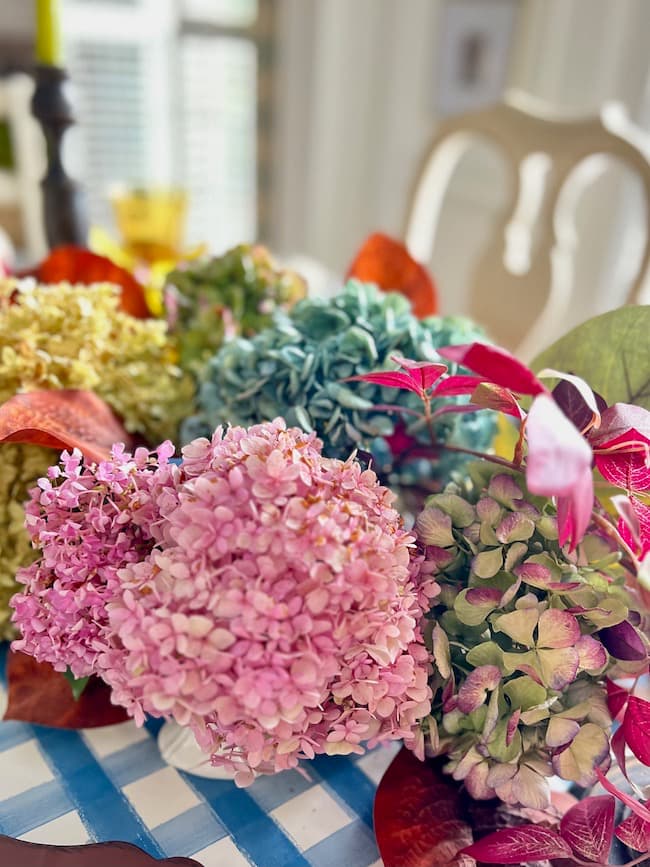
[
  {"x": 281, "y": 620},
  {"x": 89, "y": 522}
]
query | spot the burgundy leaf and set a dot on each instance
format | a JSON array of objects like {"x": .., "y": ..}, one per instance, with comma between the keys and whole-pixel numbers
[
  {"x": 455, "y": 385},
  {"x": 587, "y": 827},
  {"x": 418, "y": 818},
  {"x": 387, "y": 262},
  {"x": 636, "y": 725},
  {"x": 390, "y": 379},
  {"x": 573, "y": 404},
  {"x": 635, "y": 833},
  {"x": 495, "y": 365},
  {"x": 20, "y": 853},
  {"x": 489, "y": 396},
  {"x": 616, "y": 697},
  {"x": 518, "y": 845},
  {"x": 623, "y": 642},
  {"x": 619, "y": 747}
]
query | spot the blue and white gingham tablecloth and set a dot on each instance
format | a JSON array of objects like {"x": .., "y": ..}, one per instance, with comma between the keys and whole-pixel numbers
[{"x": 95, "y": 785}]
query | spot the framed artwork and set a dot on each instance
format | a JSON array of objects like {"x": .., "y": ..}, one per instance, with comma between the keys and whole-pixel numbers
[{"x": 473, "y": 56}]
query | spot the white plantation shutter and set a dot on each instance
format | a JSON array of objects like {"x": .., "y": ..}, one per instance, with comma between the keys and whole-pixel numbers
[
  {"x": 166, "y": 94},
  {"x": 219, "y": 138}
]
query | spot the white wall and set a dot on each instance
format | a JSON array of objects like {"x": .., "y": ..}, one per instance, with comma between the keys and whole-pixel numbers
[{"x": 356, "y": 110}]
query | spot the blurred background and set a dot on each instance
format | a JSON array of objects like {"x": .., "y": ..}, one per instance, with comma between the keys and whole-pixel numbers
[{"x": 304, "y": 123}]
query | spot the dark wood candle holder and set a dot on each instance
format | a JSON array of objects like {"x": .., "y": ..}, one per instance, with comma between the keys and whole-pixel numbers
[{"x": 64, "y": 206}]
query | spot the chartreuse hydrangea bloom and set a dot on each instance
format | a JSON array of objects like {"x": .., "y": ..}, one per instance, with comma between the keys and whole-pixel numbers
[
  {"x": 295, "y": 369},
  {"x": 65, "y": 336},
  {"x": 232, "y": 294},
  {"x": 520, "y": 634},
  {"x": 20, "y": 465}
]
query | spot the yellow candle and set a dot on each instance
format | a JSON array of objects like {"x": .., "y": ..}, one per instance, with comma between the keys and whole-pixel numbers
[{"x": 48, "y": 34}]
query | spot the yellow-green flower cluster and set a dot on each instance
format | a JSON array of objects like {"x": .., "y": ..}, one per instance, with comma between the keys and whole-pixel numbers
[
  {"x": 65, "y": 336},
  {"x": 20, "y": 466}
]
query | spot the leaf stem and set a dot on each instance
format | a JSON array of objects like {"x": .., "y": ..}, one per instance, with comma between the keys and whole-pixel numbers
[
  {"x": 636, "y": 860},
  {"x": 495, "y": 459}
]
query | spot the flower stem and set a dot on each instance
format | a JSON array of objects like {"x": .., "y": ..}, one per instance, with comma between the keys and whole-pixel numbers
[{"x": 495, "y": 459}]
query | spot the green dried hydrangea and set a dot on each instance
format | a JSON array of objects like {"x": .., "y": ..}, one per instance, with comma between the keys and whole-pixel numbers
[
  {"x": 20, "y": 466},
  {"x": 294, "y": 369},
  {"x": 515, "y": 633},
  {"x": 64, "y": 336},
  {"x": 236, "y": 292}
]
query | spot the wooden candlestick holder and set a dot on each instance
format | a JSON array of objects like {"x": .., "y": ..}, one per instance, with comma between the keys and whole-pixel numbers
[{"x": 64, "y": 205}]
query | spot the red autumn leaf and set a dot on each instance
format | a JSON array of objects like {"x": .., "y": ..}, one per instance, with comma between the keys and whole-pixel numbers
[
  {"x": 636, "y": 806},
  {"x": 423, "y": 373},
  {"x": 418, "y": 817},
  {"x": 587, "y": 827},
  {"x": 635, "y": 833},
  {"x": 495, "y": 365},
  {"x": 20, "y": 853},
  {"x": 490, "y": 396},
  {"x": 62, "y": 419},
  {"x": 636, "y": 725},
  {"x": 387, "y": 262},
  {"x": 619, "y": 747},
  {"x": 76, "y": 265},
  {"x": 616, "y": 697},
  {"x": 518, "y": 845},
  {"x": 38, "y": 694}
]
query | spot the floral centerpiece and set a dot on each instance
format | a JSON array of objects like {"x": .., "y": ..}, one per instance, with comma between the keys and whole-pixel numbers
[{"x": 266, "y": 593}]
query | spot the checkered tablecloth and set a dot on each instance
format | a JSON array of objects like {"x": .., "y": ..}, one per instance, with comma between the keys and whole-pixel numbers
[{"x": 71, "y": 787}]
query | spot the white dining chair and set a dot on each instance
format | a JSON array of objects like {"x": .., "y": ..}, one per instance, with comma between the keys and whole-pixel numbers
[{"x": 522, "y": 287}]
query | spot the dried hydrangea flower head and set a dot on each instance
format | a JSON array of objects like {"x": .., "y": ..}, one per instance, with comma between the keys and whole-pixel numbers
[
  {"x": 522, "y": 634},
  {"x": 295, "y": 369},
  {"x": 88, "y": 522},
  {"x": 65, "y": 336},
  {"x": 232, "y": 294},
  {"x": 280, "y": 618},
  {"x": 20, "y": 465}
]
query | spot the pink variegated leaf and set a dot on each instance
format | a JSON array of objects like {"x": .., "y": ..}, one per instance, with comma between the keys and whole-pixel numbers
[
  {"x": 423, "y": 373},
  {"x": 637, "y": 808},
  {"x": 559, "y": 465},
  {"x": 557, "y": 629},
  {"x": 513, "y": 723},
  {"x": 452, "y": 386},
  {"x": 619, "y": 747},
  {"x": 389, "y": 379},
  {"x": 584, "y": 391},
  {"x": 620, "y": 418},
  {"x": 622, "y": 446},
  {"x": 591, "y": 654},
  {"x": 623, "y": 642},
  {"x": 474, "y": 688},
  {"x": 635, "y": 833},
  {"x": 490, "y": 396},
  {"x": 495, "y": 365},
  {"x": 481, "y": 595},
  {"x": 518, "y": 845},
  {"x": 634, "y": 523},
  {"x": 587, "y": 827},
  {"x": 617, "y": 698},
  {"x": 636, "y": 725}
]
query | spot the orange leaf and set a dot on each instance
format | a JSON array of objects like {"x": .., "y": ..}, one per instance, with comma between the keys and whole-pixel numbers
[
  {"x": 62, "y": 419},
  {"x": 38, "y": 694},
  {"x": 418, "y": 816},
  {"x": 76, "y": 265},
  {"x": 388, "y": 263}
]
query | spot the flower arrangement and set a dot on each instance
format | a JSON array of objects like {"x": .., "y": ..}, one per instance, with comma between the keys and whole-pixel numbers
[
  {"x": 261, "y": 594},
  {"x": 266, "y": 593},
  {"x": 296, "y": 369},
  {"x": 235, "y": 293}
]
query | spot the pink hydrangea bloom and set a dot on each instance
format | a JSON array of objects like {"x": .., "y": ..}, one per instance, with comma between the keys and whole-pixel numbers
[
  {"x": 88, "y": 522},
  {"x": 280, "y": 616}
]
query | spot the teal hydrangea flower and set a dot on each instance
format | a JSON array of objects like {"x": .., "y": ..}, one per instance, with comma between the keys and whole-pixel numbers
[{"x": 295, "y": 369}]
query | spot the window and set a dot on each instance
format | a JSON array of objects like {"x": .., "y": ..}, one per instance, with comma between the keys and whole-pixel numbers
[{"x": 167, "y": 95}]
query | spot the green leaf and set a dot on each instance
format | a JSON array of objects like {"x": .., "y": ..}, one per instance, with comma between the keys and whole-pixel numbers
[
  {"x": 487, "y": 653},
  {"x": 586, "y": 751},
  {"x": 610, "y": 352},
  {"x": 524, "y": 693},
  {"x": 488, "y": 563},
  {"x": 77, "y": 684}
]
